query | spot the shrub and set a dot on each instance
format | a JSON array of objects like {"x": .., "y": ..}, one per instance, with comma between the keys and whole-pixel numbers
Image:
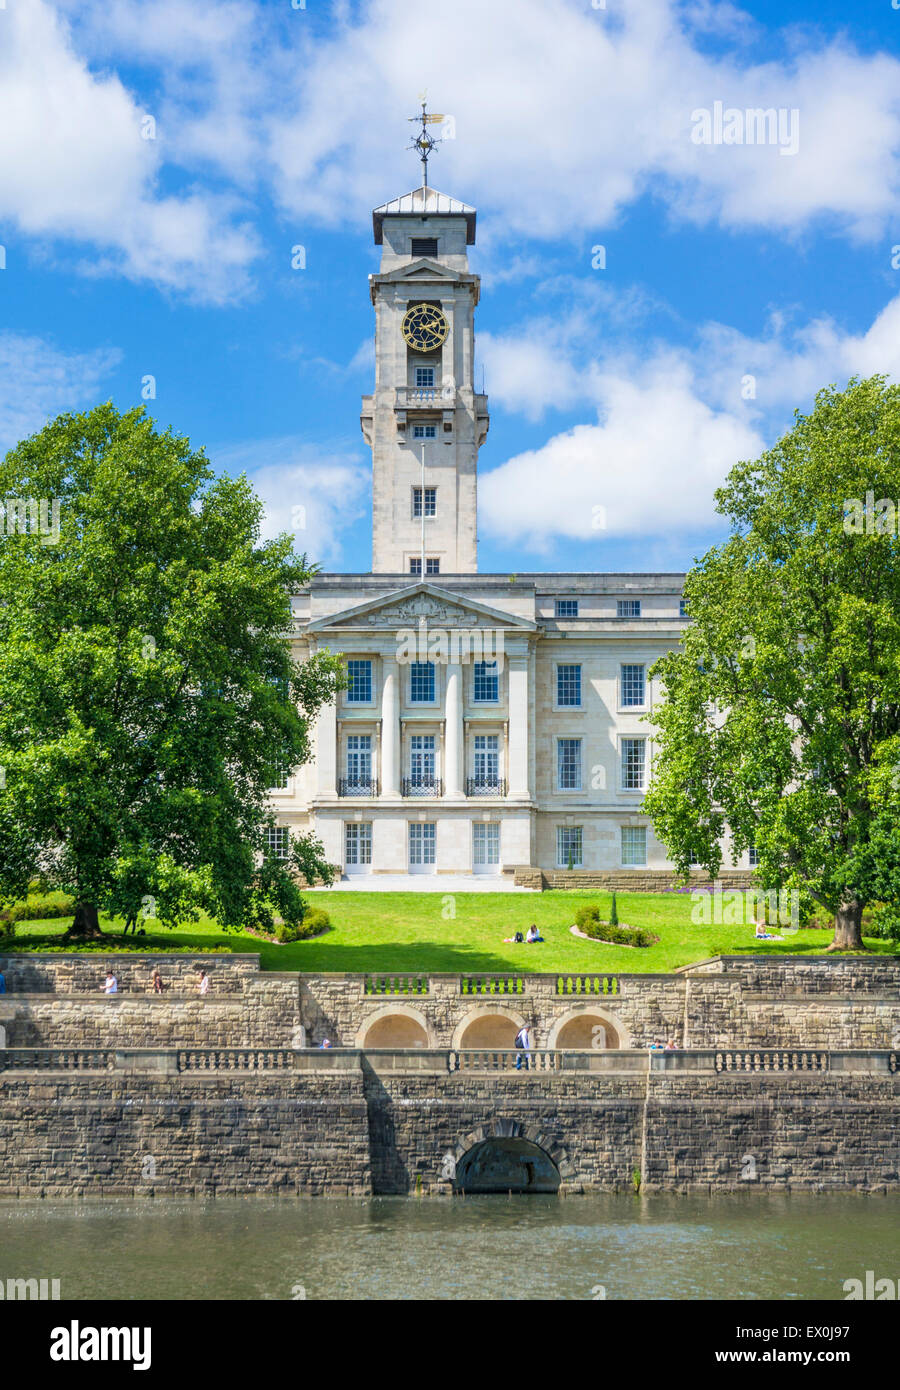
[
  {"x": 37, "y": 907},
  {"x": 586, "y": 915},
  {"x": 314, "y": 923},
  {"x": 619, "y": 936},
  {"x": 613, "y": 914}
]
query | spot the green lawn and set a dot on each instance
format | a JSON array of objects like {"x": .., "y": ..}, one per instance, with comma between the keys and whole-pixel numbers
[{"x": 409, "y": 932}]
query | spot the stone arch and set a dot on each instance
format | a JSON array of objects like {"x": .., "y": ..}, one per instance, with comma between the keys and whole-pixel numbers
[
  {"x": 489, "y": 1025},
  {"x": 574, "y": 1030},
  {"x": 394, "y": 1025},
  {"x": 505, "y": 1155}
]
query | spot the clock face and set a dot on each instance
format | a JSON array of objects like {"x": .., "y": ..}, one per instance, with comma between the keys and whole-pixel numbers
[{"x": 424, "y": 327}]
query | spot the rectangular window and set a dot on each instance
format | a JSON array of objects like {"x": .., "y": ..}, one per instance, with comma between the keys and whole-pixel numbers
[
  {"x": 422, "y": 841},
  {"x": 683, "y": 608},
  {"x": 568, "y": 686},
  {"x": 421, "y": 683},
  {"x": 277, "y": 841},
  {"x": 485, "y": 843},
  {"x": 632, "y": 685},
  {"x": 633, "y": 764},
  {"x": 280, "y": 774},
  {"x": 358, "y": 844},
  {"x": 567, "y": 608},
  {"x": 359, "y": 760},
  {"x": 634, "y": 846},
  {"x": 568, "y": 846},
  {"x": 424, "y": 378},
  {"x": 424, "y": 431},
  {"x": 415, "y": 565},
  {"x": 430, "y": 501},
  {"x": 421, "y": 759},
  {"x": 753, "y": 856},
  {"x": 486, "y": 683},
  {"x": 628, "y": 608},
  {"x": 423, "y": 246},
  {"x": 359, "y": 682},
  {"x": 487, "y": 759},
  {"x": 568, "y": 764},
  {"x": 432, "y": 565}
]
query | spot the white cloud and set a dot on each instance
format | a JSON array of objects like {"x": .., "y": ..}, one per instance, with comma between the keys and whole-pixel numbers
[
  {"x": 315, "y": 495},
  {"x": 74, "y": 166},
  {"x": 39, "y": 381},
  {"x": 670, "y": 423},
  {"x": 603, "y": 114}
]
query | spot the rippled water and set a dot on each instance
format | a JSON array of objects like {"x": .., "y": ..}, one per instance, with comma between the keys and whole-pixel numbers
[{"x": 745, "y": 1245}]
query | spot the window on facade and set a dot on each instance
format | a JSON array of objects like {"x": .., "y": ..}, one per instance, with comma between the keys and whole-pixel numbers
[
  {"x": 277, "y": 841},
  {"x": 421, "y": 683},
  {"x": 424, "y": 378},
  {"x": 568, "y": 685},
  {"x": 632, "y": 685},
  {"x": 567, "y": 608},
  {"x": 682, "y": 608},
  {"x": 432, "y": 565},
  {"x": 487, "y": 759},
  {"x": 634, "y": 846},
  {"x": 421, "y": 759},
  {"x": 423, "y": 246},
  {"x": 568, "y": 846},
  {"x": 430, "y": 494},
  {"x": 568, "y": 764},
  {"x": 486, "y": 683},
  {"x": 424, "y": 431},
  {"x": 358, "y": 843},
  {"x": 422, "y": 842},
  {"x": 753, "y": 856},
  {"x": 359, "y": 759},
  {"x": 633, "y": 764},
  {"x": 280, "y": 774},
  {"x": 628, "y": 608},
  {"x": 359, "y": 682}
]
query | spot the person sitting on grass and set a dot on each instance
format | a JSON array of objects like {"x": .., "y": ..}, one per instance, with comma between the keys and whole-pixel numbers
[
  {"x": 763, "y": 935},
  {"x": 513, "y": 940},
  {"x": 533, "y": 934}
]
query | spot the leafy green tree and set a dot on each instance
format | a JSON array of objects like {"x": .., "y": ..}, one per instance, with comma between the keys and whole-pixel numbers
[
  {"x": 782, "y": 712},
  {"x": 147, "y": 687}
]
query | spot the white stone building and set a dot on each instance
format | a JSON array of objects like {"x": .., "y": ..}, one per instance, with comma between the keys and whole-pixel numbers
[{"x": 492, "y": 723}]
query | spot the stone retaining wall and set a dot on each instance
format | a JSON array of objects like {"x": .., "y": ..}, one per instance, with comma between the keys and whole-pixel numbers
[{"x": 358, "y": 1126}]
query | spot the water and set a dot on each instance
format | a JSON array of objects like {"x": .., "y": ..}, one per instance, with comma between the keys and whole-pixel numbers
[{"x": 665, "y": 1246}]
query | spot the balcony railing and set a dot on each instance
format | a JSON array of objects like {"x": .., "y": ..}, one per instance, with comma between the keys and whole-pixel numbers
[
  {"x": 485, "y": 786},
  {"x": 425, "y": 397},
  {"x": 422, "y": 785},
  {"x": 358, "y": 786}
]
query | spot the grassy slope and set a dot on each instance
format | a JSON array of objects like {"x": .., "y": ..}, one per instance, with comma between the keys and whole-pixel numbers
[{"x": 410, "y": 932}]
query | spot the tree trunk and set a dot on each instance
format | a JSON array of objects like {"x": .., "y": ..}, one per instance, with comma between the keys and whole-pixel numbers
[
  {"x": 848, "y": 927},
  {"x": 86, "y": 926}
]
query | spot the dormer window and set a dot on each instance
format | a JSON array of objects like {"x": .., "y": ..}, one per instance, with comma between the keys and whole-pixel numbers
[{"x": 424, "y": 246}]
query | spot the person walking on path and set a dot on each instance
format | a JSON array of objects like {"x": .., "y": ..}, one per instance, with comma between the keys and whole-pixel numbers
[
  {"x": 523, "y": 1046},
  {"x": 204, "y": 982},
  {"x": 112, "y": 984}
]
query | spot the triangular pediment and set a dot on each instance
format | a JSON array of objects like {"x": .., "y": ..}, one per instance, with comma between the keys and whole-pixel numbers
[
  {"x": 424, "y": 269},
  {"x": 407, "y": 607}
]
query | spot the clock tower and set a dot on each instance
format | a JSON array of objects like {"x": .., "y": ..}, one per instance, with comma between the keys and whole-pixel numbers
[{"x": 424, "y": 422}]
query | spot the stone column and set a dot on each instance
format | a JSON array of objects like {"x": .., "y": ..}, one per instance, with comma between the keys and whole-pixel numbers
[
  {"x": 326, "y": 753},
  {"x": 453, "y": 738},
  {"x": 517, "y": 750},
  {"x": 390, "y": 727}
]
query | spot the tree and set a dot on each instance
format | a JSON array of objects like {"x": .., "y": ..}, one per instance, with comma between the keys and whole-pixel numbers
[
  {"x": 147, "y": 688},
  {"x": 781, "y": 718}
]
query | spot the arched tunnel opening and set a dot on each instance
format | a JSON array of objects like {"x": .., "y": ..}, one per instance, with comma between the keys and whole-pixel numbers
[{"x": 506, "y": 1165}]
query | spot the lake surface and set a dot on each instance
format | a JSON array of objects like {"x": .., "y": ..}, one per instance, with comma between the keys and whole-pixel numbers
[{"x": 744, "y": 1245}]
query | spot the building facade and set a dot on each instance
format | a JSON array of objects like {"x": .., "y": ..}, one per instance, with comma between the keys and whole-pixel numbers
[{"x": 491, "y": 723}]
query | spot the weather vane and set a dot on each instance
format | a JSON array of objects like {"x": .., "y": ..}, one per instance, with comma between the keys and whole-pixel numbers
[{"x": 424, "y": 143}]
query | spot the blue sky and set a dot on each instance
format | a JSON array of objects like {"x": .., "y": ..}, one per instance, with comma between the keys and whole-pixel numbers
[{"x": 622, "y": 389}]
